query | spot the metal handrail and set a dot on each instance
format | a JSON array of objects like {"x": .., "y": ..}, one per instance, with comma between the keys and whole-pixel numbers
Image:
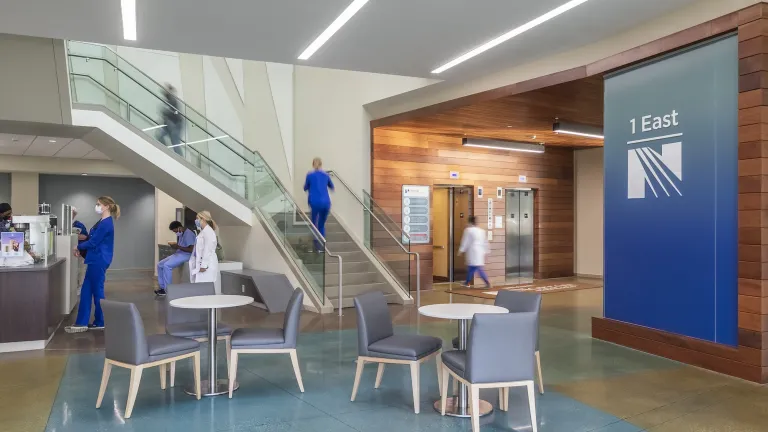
[
  {"x": 415, "y": 254},
  {"x": 150, "y": 118}
]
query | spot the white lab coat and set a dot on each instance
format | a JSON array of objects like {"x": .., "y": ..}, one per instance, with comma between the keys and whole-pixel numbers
[
  {"x": 204, "y": 256},
  {"x": 474, "y": 243}
]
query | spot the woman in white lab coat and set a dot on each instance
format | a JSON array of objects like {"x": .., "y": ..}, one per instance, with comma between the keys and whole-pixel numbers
[
  {"x": 203, "y": 264},
  {"x": 474, "y": 242}
]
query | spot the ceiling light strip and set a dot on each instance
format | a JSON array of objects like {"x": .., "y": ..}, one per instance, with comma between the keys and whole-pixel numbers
[
  {"x": 128, "y": 11},
  {"x": 153, "y": 128},
  {"x": 342, "y": 19},
  {"x": 509, "y": 35},
  {"x": 503, "y": 148},
  {"x": 199, "y": 141},
  {"x": 581, "y": 134}
]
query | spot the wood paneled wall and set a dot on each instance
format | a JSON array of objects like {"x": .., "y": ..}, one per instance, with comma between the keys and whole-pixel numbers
[{"x": 410, "y": 158}]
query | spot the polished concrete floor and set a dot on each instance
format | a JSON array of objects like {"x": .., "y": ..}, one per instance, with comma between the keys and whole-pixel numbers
[{"x": 590, "y": 385}]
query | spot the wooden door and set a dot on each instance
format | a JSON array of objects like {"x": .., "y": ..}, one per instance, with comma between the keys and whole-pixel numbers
[{"x": 440, "y": 238}]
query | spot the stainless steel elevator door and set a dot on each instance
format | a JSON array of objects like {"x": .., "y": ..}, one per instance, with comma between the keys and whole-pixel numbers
[{"x": 519, "y": 234}]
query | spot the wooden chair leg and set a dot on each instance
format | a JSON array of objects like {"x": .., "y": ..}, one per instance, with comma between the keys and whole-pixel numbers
[
  {"x": 501, "y": 399},
  {"x": 228, "y": 341},
  {"x": 196, "y": 372},
  {"x": 445, "y": 377},
  {"x": 133, "y": 389},
  {"x": 232, "y": 372},
  {"x": 379, "y": 375},
  {"x": 173, "y": 373},
  {"x": 163, "y": 373},
  {"x": 358, "y": 373},
  {"x": 439, "y": 367},
  {"x": 296, "y": 370},
  {"x": 415, "y": 385},
  {"x": 532, "y": 405},
  {"x": 538, "y": 369},
  {"x": 104, "y": 380},
  {"x": 474, "y": 397},
  {"x": 506, "y": 399}
]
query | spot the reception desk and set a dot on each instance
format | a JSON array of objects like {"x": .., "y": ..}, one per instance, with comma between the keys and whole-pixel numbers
[{"x": 31, "y": 304}]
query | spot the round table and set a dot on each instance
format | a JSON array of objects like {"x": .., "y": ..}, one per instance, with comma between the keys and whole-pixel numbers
[
  {"x": 211, "y": 386},
  {"x": 457, "y": 406}
]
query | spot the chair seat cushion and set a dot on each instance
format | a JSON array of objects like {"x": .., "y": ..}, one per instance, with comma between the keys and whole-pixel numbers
[
  {"x": 165, "y": 346},
  {"x": 405, "y": 347},
  {"x": 258, "y": 338},
  {"x": 456, "y": 361},
  {"x": 196, "y": 330}
]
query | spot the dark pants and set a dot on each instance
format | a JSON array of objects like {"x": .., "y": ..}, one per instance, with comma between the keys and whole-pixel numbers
[
  {"x": 471, "y": 274},
  {"x": 92, "y": 291},
  {"x": 173, "y": 132},
  {"x": 319, "y": 216}
]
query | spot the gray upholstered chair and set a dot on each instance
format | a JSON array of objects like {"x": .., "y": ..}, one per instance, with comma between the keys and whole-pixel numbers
[
  {"x": 191, "y": 323},
  {"x": 270, "y": 341},
  {"x": 127, "y": 346},
  {"x": 520, "y": 302},
  {"x": 499, "y": 355},
  {"x": 378, "y": 343}
]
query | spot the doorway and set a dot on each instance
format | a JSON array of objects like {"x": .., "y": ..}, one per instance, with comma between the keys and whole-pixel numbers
[
  {"x": 519, "y": 235},
  {"x": 451, "y": 208}
]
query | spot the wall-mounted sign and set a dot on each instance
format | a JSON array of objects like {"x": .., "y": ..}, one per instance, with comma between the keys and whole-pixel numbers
[
  {"x": 454, "y": 175},
  {"x": 416, "y": 213},
  {"x": 479, "y": 191},
  {"x": 522, "y": 179},
  {"x": 499, "y": 192},
  {"x": 490, "y": 213},
  {"x": 499, "y": 222}
]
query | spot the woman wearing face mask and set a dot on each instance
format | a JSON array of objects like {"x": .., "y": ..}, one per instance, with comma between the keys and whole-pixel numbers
[
  {"x": 203, "y": 264},
  {"x": 5, "y": 217},
  {"x": 100, "y": 247}
]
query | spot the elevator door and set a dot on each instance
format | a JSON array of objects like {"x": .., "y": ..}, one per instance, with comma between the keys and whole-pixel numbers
[
  {"x": 462, "y": 210},
  {"x": 519, "y": 234}
]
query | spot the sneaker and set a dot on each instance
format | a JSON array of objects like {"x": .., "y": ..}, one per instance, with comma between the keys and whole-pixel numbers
[
  {"x": 160, "y": 293},
  {"x": 95, "y": 327},
  {"x": 75, "y": 329}
]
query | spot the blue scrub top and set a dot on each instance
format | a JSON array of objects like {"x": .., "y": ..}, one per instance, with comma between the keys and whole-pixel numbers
[
  {"x": 101, "y": 243},
  {"x": 187, "y": 239},
  {"x": 317, "y": 184},
  {"x": 83, "y": 229}
]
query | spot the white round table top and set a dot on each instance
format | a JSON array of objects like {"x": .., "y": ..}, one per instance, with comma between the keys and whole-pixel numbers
[
  {"x": 460, "y": 311},
  {"x": 211, "y": 301}
]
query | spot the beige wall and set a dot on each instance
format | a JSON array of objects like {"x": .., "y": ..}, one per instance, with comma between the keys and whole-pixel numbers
[
  {"x": 25, "y": 191},
  {"x": 695, "y": 14},
  {"x": 588, "y": 181},
  {"x": 51, "y": 165},
  {"x": 165, "y": 213},
  {"x": 33, "y": 80}
]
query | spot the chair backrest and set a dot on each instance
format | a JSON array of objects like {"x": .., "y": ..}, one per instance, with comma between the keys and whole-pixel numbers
[
  {"x": 292, "y": 316},
  {"x": 519, "y": 301},
  {"x": 501, "y": 347},
  {"x": 186, "y": 316},
  {"x": 374, "y": 322},
  {"x": 124, "y": 333}
]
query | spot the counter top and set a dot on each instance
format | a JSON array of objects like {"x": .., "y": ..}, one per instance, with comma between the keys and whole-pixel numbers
[{"x": 34, "y": 267}]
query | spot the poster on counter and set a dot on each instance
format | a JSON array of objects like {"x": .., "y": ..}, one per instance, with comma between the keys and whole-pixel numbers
[
  {"x": 416, "y": 213},
  {"x": 12, "y": 244}
]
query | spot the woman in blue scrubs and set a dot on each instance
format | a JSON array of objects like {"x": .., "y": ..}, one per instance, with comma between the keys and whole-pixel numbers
[
  {"x": 316, "y": 185},
  {"x": 100, "y": 247}
]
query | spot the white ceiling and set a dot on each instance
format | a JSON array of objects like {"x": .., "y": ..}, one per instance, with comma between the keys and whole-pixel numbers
[
  {"x": 30, "y": 145},
  {"x": 404, "y": 37}
]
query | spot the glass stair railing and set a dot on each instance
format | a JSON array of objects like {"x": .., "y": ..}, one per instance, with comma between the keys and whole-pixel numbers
[
  {"x": 385, "y": 240},
  {"x": 101, "y": 77}
]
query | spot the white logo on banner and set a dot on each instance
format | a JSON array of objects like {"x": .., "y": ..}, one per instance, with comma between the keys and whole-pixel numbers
[{"x": 662, "y": 172}]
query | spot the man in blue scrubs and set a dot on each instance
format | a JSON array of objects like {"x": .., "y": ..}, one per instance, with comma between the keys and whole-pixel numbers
[
  {"x": 184, "y": 246},
  {"x": 317, "y": 185}
]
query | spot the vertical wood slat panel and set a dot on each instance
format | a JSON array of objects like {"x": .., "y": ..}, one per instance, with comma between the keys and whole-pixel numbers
[{"x": 413, "y": 158}]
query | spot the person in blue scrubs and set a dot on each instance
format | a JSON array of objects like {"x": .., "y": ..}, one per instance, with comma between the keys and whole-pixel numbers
[
  {"x": 100, "y": 247},
  {"x": 184, "y": 247},
  {"x": 317, "y": 185}
]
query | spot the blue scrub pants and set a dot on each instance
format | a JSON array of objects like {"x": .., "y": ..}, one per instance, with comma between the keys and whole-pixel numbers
[
  {"x": 92, "y": 291},
  {"x": 471, "y": 274},
  {"x": 165, "y": 268},
  {"x": 319, "y": 216}
]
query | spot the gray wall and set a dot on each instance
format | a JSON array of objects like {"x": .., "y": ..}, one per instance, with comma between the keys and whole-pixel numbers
[
  {"x": 5, "y": 187},
  {"x": 134, "y": 231}
]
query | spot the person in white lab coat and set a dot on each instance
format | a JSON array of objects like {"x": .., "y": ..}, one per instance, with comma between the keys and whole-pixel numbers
[
  {"x": 474, "y": 242},
  {"x": 203, "y": 264}
]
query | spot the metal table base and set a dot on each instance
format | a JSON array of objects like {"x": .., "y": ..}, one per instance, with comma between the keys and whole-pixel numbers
[
  {"x": 222, "y": 387},
  {"x": 212, "y": 386}
]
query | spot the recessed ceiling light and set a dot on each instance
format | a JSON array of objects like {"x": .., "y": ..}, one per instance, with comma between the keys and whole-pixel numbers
[
  {"x": 14, "y": 139},
  {"x": 342, "y": 19},
  {"x": 85, "y": 174},
  {"x": 509, "y": 35},
  {"x": 128, "y": 11},
  {"x": 51, "y": 141}
]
